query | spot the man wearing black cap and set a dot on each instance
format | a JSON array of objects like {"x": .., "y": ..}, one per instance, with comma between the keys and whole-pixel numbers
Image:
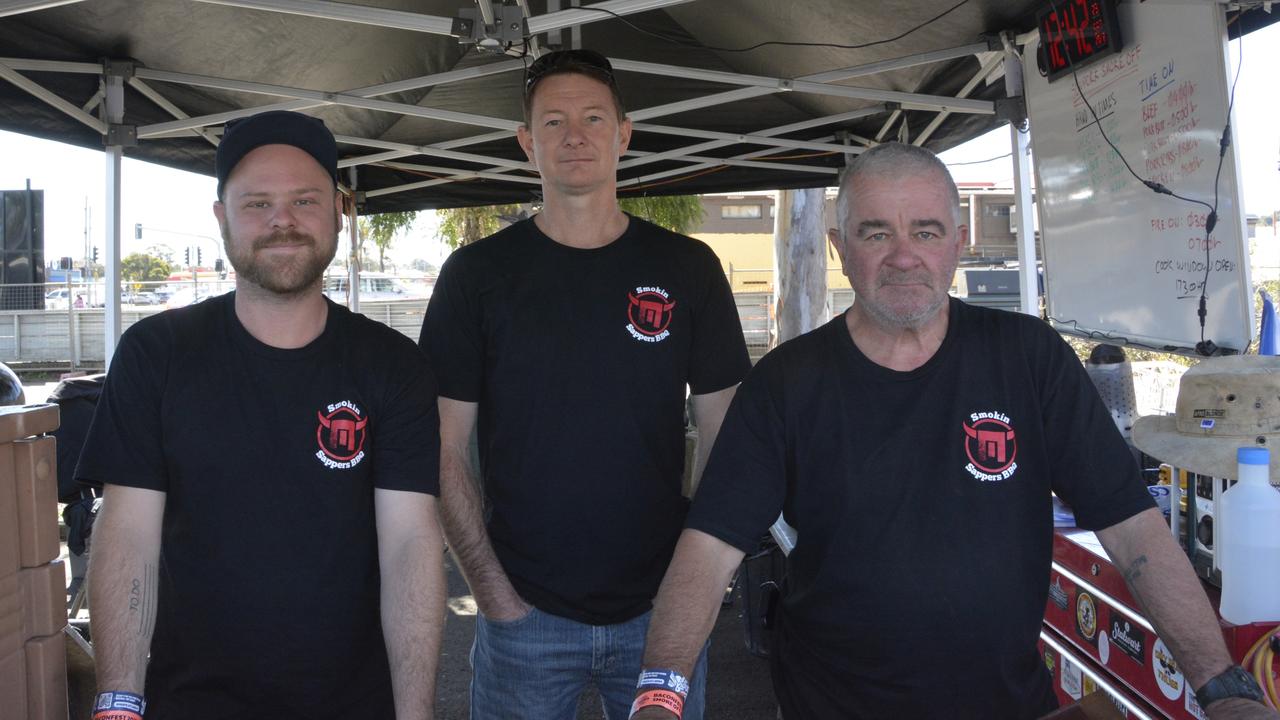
[
  {"x": 572, "y": 337},
  {"x": 269, "y": 528}
]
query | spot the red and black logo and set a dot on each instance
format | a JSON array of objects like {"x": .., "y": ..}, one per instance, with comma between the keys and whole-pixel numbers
[
  {"x": 341, "y": 433},
  {"x": 991, "y": 445},
  {"x": 649, "y": 311}
]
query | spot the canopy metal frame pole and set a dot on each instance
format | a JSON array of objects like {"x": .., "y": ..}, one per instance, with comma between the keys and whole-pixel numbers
[
  {"x": 1020, "y": 141},
  {"x": 678, "y": 153},
  {"x": 399, "y": 86},
  {"x": 911, "y": 101},
  {"x": 113, "y": 105},
  {"x": 362, "y": 97},
  {"x": 1029, "y": 277},
  {"x": 317, "y": 96},
  {"x": 988, "y": 69},
  {"x": 751, "y": 86},
  {"x": 17, "y": 7},
  {"x": 441, "y": 25},
  {"x": 413, "y": 110},
  {"x": 353, "y": 231},
  {"x": 52, "y": 99},
  {"x": 806, "y": 83}
]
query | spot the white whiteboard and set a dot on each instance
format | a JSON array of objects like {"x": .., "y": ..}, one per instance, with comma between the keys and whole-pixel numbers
[{"x": 1120, "y": 259}]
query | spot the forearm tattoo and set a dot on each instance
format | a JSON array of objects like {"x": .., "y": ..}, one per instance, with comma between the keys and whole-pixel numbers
[
  {"x": 142, "y": 601},
  {"x": 1135, "y": 569}
]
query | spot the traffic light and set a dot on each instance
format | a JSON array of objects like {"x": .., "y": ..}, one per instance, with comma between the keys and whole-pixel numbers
[
  {"x": 199, "y": 257},
  {"x": 95, "y": 253},
  {"x": 186, "y": 256},
  {"x": 137, "y": 231}
]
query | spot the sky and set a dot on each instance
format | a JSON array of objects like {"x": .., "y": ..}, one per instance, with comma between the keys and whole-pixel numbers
[{"x": 174, "y": 207}]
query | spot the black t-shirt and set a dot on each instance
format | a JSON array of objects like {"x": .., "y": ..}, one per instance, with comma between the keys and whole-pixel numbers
[
  {"x": 269, "y": 585},
  {"x": 579, "y": 361},
  {"x": 922, "y": 505}
]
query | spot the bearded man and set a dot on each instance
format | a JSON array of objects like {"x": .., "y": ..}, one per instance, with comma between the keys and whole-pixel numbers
[{"x": 268, "y": 532}]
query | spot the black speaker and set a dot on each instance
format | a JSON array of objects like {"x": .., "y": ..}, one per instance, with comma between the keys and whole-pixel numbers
[{"x": 21, "y": 249}]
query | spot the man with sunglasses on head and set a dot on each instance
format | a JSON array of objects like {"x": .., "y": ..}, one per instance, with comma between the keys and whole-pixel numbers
[{"x": 571, "y": 337}]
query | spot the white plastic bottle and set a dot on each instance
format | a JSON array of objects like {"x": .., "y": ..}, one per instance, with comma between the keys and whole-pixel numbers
[{"x": 1250, "y": 543}]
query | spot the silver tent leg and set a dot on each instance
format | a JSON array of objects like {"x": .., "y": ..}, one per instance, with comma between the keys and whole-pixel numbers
[
  {"x": 353, "y": 266},
  {"x": 1020, "y": 134},
  {"x": 114, "y": 155},
  {"x": 1029, "y": 278}
]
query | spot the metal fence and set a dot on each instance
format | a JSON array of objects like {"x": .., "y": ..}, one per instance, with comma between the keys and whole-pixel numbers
[{"x": 67, "y": 333}]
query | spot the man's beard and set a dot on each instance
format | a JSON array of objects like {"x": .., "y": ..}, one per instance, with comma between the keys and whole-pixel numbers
[
  {"x": 888, "y": 315},
  {"x": 289, "y": 275}
]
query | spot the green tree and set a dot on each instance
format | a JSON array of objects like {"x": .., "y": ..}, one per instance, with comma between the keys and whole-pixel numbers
[
  {"x": 463, "y": 226},
  {"x": 678, "y": 213},
  {"x": 142, "y": 267},
  {"x": 382, "y": 228}
]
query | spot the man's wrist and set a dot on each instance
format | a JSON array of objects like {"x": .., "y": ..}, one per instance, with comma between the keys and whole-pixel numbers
[
  {"x": 118, "y": 705},
  {"x": 661, "y": 688},
  {"x": 506, "y": 605},
  {"x": 1233, "y": 683}
]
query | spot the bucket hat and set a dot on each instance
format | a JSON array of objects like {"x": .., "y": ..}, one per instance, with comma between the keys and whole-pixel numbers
[{"x": 1224, "y": 403}]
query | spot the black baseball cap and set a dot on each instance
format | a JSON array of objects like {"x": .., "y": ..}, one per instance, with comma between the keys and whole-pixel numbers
[{"x": 275, "y": 127}]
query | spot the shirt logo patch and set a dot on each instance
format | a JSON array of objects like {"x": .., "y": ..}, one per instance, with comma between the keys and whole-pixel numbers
[
  {"x": 992, "y": 446},
  {"x": 341, "y": 434},
  {"x": 649, "y": 310}
]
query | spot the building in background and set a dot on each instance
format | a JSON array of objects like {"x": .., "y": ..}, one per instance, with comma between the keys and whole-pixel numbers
[{"x": 739, "y": 227}]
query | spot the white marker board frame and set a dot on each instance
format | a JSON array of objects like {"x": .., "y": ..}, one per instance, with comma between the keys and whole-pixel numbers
[{"x": 1121, "y": 261}]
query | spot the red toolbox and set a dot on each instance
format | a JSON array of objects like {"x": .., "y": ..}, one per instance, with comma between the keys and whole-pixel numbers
[{"x": 1091, "y": 610}]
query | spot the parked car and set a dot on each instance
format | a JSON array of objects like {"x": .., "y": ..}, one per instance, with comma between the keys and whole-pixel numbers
[
  {"x": 373, "y": 286},
  {"x": 186, "y": 296},
  {"x": 142, "y": 297},
  {"x": 56, "y": 299}
]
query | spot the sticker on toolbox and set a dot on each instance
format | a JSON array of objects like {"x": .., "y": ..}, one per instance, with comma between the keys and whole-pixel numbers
[
  {"x": 1048, "y": 660},
  {"x": 1057, "y": 594},
  {"x": 1104, "y": 647},
  {"x": 1168, "y": 677},
  {"x": 1128, "y": 638},
  {"x": 1194, "y": 709},
  {"x": 1086, "y": 616},
  {"x": 1088, "y": 686},
  {"x": 1072, "y": 679}
]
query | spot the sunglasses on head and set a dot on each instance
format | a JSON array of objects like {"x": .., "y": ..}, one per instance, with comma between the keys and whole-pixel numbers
[{"x": 577, "y": 60}]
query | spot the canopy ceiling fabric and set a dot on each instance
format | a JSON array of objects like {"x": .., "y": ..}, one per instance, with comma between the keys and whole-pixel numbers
[{"x": 231, "y": 47}]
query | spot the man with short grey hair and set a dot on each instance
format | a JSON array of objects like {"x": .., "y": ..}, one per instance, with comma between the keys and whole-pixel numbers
[{"x": 913, "y": 443}]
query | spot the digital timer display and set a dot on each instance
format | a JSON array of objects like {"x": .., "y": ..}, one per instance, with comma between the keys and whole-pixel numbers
[{"x": 1074, "y": 33}]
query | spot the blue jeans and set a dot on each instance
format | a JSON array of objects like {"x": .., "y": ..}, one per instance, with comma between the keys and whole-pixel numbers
[{"x": 535, "y": 668}]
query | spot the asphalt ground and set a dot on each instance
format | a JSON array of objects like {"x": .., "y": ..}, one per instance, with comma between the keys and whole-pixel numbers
[{"x": 738, "y": 685}]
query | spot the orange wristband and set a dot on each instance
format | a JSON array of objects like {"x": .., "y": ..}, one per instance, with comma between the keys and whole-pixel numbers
[{"x": 664, "y": 699}]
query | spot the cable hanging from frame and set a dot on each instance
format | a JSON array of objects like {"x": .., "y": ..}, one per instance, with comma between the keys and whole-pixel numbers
[{"x": 1205, "y": 347}]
